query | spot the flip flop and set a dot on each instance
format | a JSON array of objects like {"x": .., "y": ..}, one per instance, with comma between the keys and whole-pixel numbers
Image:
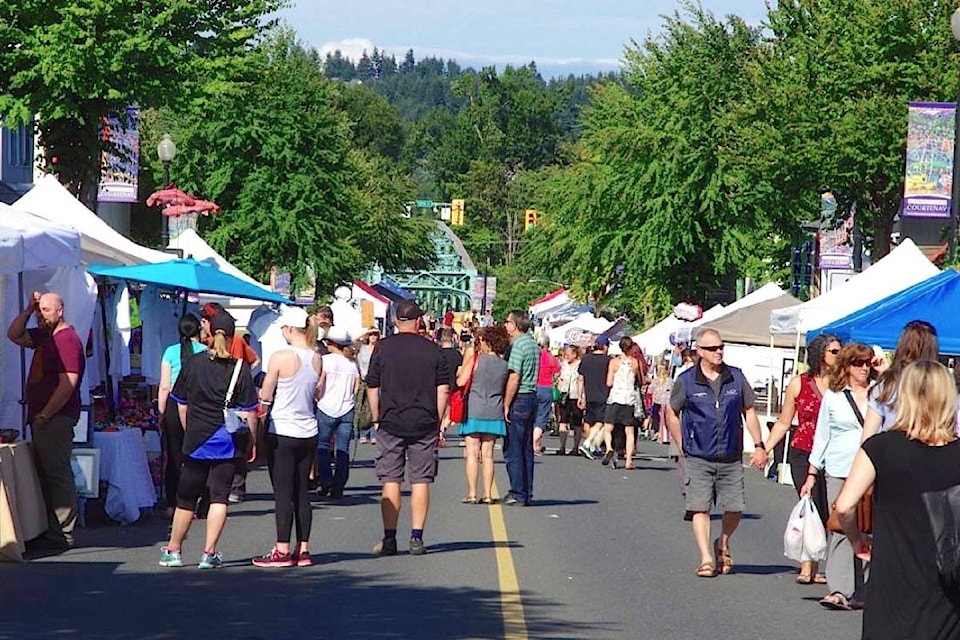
[
  {"x": 820, "y": 579},
  {"x": 724, "y": 559},
  {"x": 706, "y": 570},
  {"x": 469, "y": 500},
  {"x": 804, "y": 578},
  {"x": 836, "y": 601},
  {"x": 487, "y": 501}
]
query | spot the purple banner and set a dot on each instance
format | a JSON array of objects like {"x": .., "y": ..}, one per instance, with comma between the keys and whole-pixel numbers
[
  {"x": 929, "y": 163},
  {"x": 119, "y": 162}
]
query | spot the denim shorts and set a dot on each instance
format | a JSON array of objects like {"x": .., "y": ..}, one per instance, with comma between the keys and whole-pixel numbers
[{"x": 544, "y": 406}]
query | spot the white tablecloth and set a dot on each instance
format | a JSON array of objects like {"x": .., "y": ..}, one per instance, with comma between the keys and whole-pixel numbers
[{"x": 123, "y": 464}]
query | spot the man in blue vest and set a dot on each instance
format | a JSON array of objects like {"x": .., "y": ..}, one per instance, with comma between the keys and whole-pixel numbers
[{"x": 708, "y": 406}]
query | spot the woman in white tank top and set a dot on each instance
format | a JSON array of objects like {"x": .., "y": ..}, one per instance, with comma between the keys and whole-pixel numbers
[
  {"x": 622, "y": 375},
  {"x": 289, "y": 389}
]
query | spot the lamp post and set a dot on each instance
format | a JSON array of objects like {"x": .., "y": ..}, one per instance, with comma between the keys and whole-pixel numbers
[
  {"x": 955, "y": 188},
  {"x": 166, "y": 151}
]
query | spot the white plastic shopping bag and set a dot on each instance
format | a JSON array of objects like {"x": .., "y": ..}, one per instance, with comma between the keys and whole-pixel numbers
[{"x": 804, "y": 539}]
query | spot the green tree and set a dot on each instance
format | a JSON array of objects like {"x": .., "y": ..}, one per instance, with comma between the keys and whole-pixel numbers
[{"x": 76, "y": 61}]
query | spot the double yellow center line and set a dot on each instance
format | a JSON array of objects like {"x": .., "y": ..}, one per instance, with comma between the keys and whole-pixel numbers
[{"x": 511, "y": 606}]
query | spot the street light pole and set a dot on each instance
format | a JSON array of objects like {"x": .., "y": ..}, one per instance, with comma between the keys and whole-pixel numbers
[
  {"x": 955, "y": 187},
  {"x": 166, "y": 151}
]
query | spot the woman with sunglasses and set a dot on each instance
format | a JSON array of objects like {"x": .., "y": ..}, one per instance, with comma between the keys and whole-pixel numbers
[
  {"x": 802, "y": 400},
  {"x": 918, "y": 341},
  {"x": 835, "y": 443}
]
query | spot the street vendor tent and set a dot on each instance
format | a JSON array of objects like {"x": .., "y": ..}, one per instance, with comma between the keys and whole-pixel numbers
[
  {"x": 582, "y": 329},
  {"x": 193, "y": 246},
  {"x": 550, "y": 302},
  {"x": 36, "y": 255},
  {"x": 751, "y": 325},
  {"x": 935, "y": 300},
  {"x": 903, "y": 267},
  {"x": 100, "y": 242}
]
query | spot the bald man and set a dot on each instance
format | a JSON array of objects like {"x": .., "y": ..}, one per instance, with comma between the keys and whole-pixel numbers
[{"x": 53, "y": 407}]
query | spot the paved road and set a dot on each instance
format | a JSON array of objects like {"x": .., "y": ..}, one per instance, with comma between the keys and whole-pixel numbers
[{"x": 601, "y": 554}]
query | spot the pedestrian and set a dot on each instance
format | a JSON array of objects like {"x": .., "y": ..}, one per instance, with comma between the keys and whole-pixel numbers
[
  {"x": 520, "y": 406},
  {"x": 53, "y": 408},
  {"x": 918, "y": 454},
  {"x": 368, "y": 342},
  {"x": 918, "y": 341},
  {"x": 660, "y": 387},
  {"x": 408, "y": 386},
  {"x": 622, "y": 374},
  {"x": 454, "y": 359},
  {"x": 571, "y": 415},
  {"x": 336, "y": 397},
  {"x": 548, "y": 373},
  {"x": 486, "y": 320},
  {"x": 802, "y": 400},
  {"x": 213, "y": 439},
  {"x": 593, "y": 394},
  {"x": 448, "y": 318},
  {"x": 485, "y": 372},
  {"x": 288, "y": 393},
  {"x": 171, "y": 363},
  {"x": 708, "y": 407},
  {"x": 685, "y": 361},
  {"x": 835, "y": 444},
  {"x": 323, "y": 318}
]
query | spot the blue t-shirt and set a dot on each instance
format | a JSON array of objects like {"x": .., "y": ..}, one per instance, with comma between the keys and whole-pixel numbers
[{"x": 171, "y": 355}]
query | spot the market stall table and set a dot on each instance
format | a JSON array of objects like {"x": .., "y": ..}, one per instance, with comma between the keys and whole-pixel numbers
[
  {"x": 23, "y": 514},
  {"x": 124, "y": 466}
]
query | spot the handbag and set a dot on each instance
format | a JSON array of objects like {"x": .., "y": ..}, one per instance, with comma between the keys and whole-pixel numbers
[
  {"x": 458, "y": 399},
  {"x": 865, "y": 506},
  {"x": 362, "y": 414},
  {"x": 557, "y": 394},
  {"x": 943, "y": 511},
  {"x": 232, "y": 419}
]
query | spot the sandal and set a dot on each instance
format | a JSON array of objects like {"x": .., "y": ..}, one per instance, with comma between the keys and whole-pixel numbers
[
  {"x": 819, "y": 579},
  {"x": 469, "y": 500},
  {"x": 706, "y": 570},
  {"x": 487, "y": 501},
  {"x": 836, "y": 601},
  {"x": 804, "y": 578},
  {"x": 724, "y": 559}
]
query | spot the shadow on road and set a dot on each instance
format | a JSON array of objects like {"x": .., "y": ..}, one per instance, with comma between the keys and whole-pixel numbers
[
  {"x": 95, "y": 600},
  {"x": 763, "y": 570}
]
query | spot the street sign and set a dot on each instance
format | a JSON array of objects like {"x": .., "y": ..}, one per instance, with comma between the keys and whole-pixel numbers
[{"x": 425, "y": 204}]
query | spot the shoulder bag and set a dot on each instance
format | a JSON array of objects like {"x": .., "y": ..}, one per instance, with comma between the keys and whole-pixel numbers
[
  {"x": 232, "y": 419},
  {"x": 458, "y": 399},
  {"x": 943, "y": 511},
  {"x": 865, "y": 506}
]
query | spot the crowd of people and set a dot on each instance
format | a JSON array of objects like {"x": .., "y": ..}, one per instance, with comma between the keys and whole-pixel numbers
[{"x": 861, "y": 431}]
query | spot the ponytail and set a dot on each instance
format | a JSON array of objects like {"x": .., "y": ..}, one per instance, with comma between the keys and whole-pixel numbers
[
  {"x": 189, "y": 328},
  {"x": 312, "y": 330},
  {"x": 221, "y": 348}
]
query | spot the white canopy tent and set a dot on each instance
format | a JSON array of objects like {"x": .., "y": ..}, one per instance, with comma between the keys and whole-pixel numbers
[
  {"x": 36, "y": 255},
  {"x": 656, "y": 339},
  {"x": 550, "y": 302},
  {"x": 902, "y": 268},
  {"x": 572, "y": 332}
]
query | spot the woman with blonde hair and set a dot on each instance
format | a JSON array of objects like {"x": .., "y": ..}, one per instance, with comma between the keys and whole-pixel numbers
[
  {"x": 919, "y": 454},
  {"x": 918, "y": 341},
  {"x": 835, "y": 443}
]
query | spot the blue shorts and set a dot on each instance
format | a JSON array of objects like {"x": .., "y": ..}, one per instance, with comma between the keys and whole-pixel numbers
[{"x": 544, "y": 407}]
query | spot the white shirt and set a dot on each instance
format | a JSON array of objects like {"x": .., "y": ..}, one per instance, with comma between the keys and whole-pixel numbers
[
  {"x": 292, "y": 413},
  {"x": 341, "y": 378}
]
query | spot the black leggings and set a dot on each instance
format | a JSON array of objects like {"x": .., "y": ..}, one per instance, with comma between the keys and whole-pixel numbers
[
  {"x": 173, "y": 445},
  {"x": 196, "y": 475},
  {"x": 289, "y": 461}
]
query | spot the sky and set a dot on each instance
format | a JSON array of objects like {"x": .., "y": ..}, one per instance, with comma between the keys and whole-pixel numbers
[{"x": 562, "y": 36}]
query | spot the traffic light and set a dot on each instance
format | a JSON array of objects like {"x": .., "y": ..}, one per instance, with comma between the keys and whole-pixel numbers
[
  {"x": 530, "y": 219},
  {"x": 456, "y": 212}
]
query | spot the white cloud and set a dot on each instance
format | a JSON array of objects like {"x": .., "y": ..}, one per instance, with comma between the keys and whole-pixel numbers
[{"x": 351, "y": 48}]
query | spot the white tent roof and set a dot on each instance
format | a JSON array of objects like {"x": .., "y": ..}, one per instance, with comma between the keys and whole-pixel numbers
[
  {"x": 902, "y": 268},
  {"x": 584, "y": 323},
  {"x": 656, "y": 339},
  {"x": 193, "y": 245},
  {"x": 30, "y": 243},
  {"x": 100, "y": 242},
  {"x": 549, "y": 302}
]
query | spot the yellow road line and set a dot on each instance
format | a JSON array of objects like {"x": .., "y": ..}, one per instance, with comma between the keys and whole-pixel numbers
[{"x": 514, "y": 622}]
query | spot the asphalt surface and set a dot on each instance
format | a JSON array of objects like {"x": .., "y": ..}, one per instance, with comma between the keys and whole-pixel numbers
[{"x": 600, "y": 554}]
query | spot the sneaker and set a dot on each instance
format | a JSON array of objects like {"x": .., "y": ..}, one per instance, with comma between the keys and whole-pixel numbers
[
  {"x": 170, "y": 558},
  {"x": 373, "y": 441},
  {"x": 386, "y": 547},
  {"x": 607, "y": 457},
  {"x": 417, "y": 548},
  {"x": 235, "y": 497},
  {"x": 275, "y": 559},
  {"x": 364, "y": 440},
  {"x": 585, "y": 452},
  {"x": 303, "y": 559},
  {"x": 210, "y": 561}
]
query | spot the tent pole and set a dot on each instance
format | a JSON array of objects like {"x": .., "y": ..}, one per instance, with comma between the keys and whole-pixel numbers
[
  {"x": 23, "y": 363},
  {"x": 108, "y": 396},
  {"x": 770, "y": 380}
]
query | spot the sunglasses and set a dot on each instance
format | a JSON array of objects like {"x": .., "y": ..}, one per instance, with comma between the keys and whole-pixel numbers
[
  {"x": 713, "y": 348},
  {"x": 861, "y": 363},
  {"x": 833, "y": 351}
]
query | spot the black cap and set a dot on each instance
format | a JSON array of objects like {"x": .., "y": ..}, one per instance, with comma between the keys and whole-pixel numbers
[
  {"x": 408, "y": 310},
  {"x": 223, "y": 321}
]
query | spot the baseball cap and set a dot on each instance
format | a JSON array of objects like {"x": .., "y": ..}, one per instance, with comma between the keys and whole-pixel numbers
[
  {"x": 601, "y": 341},
  {"x": 211, "y": 309},
  {"x": 408, "y": 310},
  {"x": 293, "y": 317},
  {"x": 223, "y": 321},
  {"x": 338, "y": 335}
]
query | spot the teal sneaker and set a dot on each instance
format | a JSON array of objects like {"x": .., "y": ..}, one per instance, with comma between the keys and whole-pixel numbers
[
  {"x": 170, "y": 558},
  {"x": 210, "y": 561}
]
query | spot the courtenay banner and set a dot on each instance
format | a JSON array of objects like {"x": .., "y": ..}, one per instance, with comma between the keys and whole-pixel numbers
[
  {"x": 119, "y": 162},
  {"x": 929, "y": 166}
]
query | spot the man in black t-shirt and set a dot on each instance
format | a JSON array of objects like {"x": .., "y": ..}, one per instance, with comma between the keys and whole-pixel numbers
[
  {"x": 408, "y": 384},
  {"x": 593, "y": 393}
]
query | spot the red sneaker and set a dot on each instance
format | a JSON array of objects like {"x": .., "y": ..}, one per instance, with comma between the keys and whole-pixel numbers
[
  {"x": 275, "y": 559},
  {"x": 303, "y": 559}
]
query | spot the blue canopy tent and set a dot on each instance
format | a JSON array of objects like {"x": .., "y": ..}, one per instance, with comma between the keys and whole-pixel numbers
[
  {"x": 935, "y": 300},
  {"x": 188, "y": 275}
]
